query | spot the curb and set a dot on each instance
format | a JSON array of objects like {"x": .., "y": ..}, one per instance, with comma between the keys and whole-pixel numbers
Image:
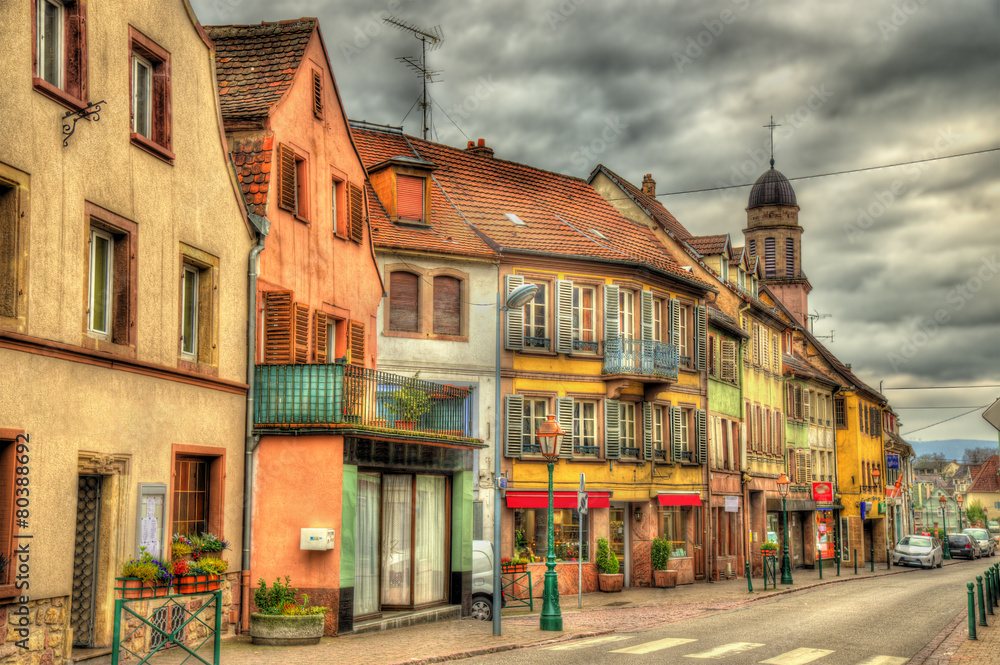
[
  {"x": 472, "y": 653},
  {"x": 935, "y": 643}
]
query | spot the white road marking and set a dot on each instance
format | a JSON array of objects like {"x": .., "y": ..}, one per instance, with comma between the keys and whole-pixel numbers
[
  {"x": 583, "y": 644},
  {"x": 884, "y": 660},
  {"x": 650, "y": 647},
  {"x": 725, "y": 650},
  {"x": 797, "y": 657}
]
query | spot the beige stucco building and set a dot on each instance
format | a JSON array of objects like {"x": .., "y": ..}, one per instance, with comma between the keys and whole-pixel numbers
[{"x": 113, "y": 379}]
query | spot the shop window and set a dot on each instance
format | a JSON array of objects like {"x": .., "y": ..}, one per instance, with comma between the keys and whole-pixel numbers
[
  {"x": 673, "y": 526},
  {"x": 60, "y": 56},
  {"x": 531, "y": 539}
]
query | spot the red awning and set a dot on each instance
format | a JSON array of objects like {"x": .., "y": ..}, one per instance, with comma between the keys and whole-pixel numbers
[
  {"x": 692, "y": 499},
  {"x": 561, "y": 499}
]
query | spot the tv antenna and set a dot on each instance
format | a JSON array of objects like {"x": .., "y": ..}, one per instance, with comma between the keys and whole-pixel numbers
[
  {"x": 431, "y": 39},
  {"x": 829, "y": 337},
  {"x": 813, "y": 318}
]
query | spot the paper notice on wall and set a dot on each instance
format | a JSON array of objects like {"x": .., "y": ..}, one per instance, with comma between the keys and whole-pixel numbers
[
  {"x": 732, "y": 504},
  {"x": 150, "y": 507},
  {"x": 148, "y": 537}
]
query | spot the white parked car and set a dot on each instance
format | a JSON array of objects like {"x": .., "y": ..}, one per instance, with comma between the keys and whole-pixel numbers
[
  {"x": 986, "y": 544},
  {"x": 482, "y": 581},
  {"x": 914, "y": 550}
]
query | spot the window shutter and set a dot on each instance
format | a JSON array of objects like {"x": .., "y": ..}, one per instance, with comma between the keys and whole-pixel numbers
[
  {"x": 357, "y": 206},
  {"x": 513, "y": 424},
  {"x": 790, "y": 398},
  {"x": 728, "y": 360},
  {"x": 701, "y": 421},
  {"x": 803, "y": 467},
  {"x": 798, "y": 402},
  {"x": 277, "y": 327},
  {"x": 775, "y": 345},
  {"x": 647, "y": 431},
  {"x": 752, "y": 421},
  {"x": 286, "y": 177},
  {"x": 765, "y": 349},
  {"x": 701, "y": 331},
  {"x": 403, "y": 294},
  {"x": 410, "y": 198},
  {"x": 612, "y": 424},
  {"x": 675, "y": 322},
  {"x": 564, "y": 316},
  {"x": 675, "y": 433},
  {"x": 317, "y": 94},
  {"x": 612, "y": 328},
  {"x": 564, "y": 415},
  {"x": 514, "y": 332},
  {"x": 806, "y": 406},
  {"x": 447, "y": 305},
  {"x": 756, "y": 344},
  {"x": 301, "y": 333},
  {"x": 647, "y": 315},
  {"x": 319, "y": 321},
  {"x": 357, "y": 335}
]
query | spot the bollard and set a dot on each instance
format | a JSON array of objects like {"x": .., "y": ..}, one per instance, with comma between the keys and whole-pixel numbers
[
  {"x": 982, "y": 603},
  {"x": 888, "y": 560},
  {"x": 749, "y": 581},
  {"x": 872, "y": 555},
  {"x": 838, "y": 564},
  {"x": 996, "y": 584},
  {"x": 820, "y": 557},
  {"x": 972, "y": 614},
  {"x": 995, "y": 593},
  {"x": 855, "y": 560},
  {"x": 989, "y": 591}
]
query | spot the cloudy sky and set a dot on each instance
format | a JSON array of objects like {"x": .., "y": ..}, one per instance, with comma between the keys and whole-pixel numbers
[{"x": 903, "y": 261}]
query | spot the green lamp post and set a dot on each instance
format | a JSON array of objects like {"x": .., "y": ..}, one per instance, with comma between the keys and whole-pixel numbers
[
  {"x": 786, "y": 564},
  {"x": 960, "y": 499},
  {"x": 550, "y": 437},
  {"x": 944, "y": 520}
]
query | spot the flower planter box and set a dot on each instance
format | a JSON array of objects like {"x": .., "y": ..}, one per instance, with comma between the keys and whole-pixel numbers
[
  {"x": 665, "y": 579},
  {"x": 610, "y": 583},
  {"x": 769, "y": 552},
  {"x": 283, "y": 630},
  {"x": 192, "y": 584},
  {"x": 133, "y": 588},
  {"x": 213, "y": 582},
  {"x": 514, "y": 568}
]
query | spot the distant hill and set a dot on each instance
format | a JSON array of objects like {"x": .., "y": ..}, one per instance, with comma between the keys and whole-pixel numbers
[{"x": 953, "y": 449}]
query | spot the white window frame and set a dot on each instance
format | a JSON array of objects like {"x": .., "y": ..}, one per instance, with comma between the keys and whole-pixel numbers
[
  {"x": 331, "y": 340},
  {"x": 580, "y": 420},
  {"x": 685, "y": 438},
  {"x": 659, "y": 442},
  {"x": 189, "y": 347},
  {"x": 658, "y": 306},
  {"x": 148, "y": 111},
  {"x": 41, "y": 40},
  {"x": 109, "y": 277},
  {"x": 579, "y": 309},
  {"x": 626, "y": 314},
  {"x": 333, "y": 204},
  {"x": 682, "y": 327},
  {"x": 530, "y": 418},
  {"x": 627, "y": 425},
  {"x": 741, "y": 279},
  {"x": 536, "y": 314}
]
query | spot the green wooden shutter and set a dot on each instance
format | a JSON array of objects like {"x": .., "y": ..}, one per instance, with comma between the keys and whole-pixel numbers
[
  {"x": 675, "y": 322},
  {"x": 564, "y": 316},
  {"x": 728, "y": 360},
  {"x": 612, "y": 427},
  {"x": 513, "y": 424},
  {"x": 646, "y": 298},
  {"x": 647, "y": 431},
  {"x": 701, "y": 334},
  {"x": 701, "y": 420},
  {"x": 514, "y": 331},
  {"x": 564, "y": 416},
  {"x": 612, "y": 329}
]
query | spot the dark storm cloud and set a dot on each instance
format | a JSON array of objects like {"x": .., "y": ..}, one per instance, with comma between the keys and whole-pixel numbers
[{"x": 688, "y": 87}]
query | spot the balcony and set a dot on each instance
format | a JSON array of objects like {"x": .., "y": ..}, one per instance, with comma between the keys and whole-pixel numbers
[
  {"x": 637, "y": 357},
  {"x": 348, "y": 397}
]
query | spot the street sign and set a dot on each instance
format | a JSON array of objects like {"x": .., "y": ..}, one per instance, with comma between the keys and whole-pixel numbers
[
  {"x": 502, "y": 482},
  {"x": 892, "y": 461},
  {"x": 822, "y": 492},
  {"x": 581, "y": 502}
]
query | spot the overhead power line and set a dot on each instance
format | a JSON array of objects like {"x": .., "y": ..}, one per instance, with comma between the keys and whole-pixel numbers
[
  {"x": 961, "y": 415},
  {"x": 988, "y": 385}
]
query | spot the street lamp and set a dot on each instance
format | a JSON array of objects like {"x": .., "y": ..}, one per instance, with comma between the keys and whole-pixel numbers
[
  {"x": 515, "y": 300},
  {"x": 960, "y": 499},
  {"x": 786, "y": 564},
  {"x": 550, "y": 437},
  {"x": 944, "y": 518}
]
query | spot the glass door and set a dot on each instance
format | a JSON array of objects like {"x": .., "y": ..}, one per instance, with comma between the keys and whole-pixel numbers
[
  {"x": 397, "y": 535},
  {"x": 429, "y": 536},
  {"x": 618, "y": 518},
  {"x": 366, "y": 545}
]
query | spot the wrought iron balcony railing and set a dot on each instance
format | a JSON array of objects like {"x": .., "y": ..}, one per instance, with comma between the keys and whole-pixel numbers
[
  {"x": 642, "y": 357},
  {"x": 342, "y": 395}
]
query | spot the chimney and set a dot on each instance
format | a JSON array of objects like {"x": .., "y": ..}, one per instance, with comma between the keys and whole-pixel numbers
[
  {"x": 648, "y": 185},
  {"x": 479, "y": 148},
  {"x": 848, "y": 366}
]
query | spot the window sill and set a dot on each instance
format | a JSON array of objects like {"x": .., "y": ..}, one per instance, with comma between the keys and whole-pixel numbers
[
  {"x": 152, "y": 147},
  {"x": 425, "y": 335},
  {"x": 299, "y": 218},
  {"x": 197, "y": 367},
  {"x": 104, "y": 346},
  {"x": 58, "y": 95},
  {"x": 8, "y": 594},
  {"x": 538, "y": 352}
]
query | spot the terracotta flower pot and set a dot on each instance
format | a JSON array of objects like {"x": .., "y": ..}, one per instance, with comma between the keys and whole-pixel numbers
[
  {"x": 665, "y": 579},
  {"x": 135, "y": 588},
  {"x": 610, "y": 583},
  {"x": 213, "y": 582},
  {"x": 193, "y": 584}
]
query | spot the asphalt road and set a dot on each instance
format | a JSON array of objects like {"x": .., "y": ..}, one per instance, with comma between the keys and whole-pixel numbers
[{"x": 878, "y": 621}]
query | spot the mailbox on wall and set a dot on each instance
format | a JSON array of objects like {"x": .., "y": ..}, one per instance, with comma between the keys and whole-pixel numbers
[{"x": 317, "y": 539}]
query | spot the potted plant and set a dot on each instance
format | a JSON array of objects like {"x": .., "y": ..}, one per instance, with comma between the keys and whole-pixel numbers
[
  {"x": 280, "y": 621},
  {"x": 609, "y": 579},
  {"x": 769, "y": 548},
  {"x": 660, "y": 557},
  {"x": 515, "y": 565},
  {"x": 213, "y": 567},
  {"x": 193, "y": 580},
  {"x": 145, "y": 577},
  {"x": 408, "y": 404},
  {"x": 182, "y": 548}
]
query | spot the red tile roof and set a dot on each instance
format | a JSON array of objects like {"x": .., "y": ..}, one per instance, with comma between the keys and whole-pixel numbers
[
  {"x": 255, "y": 64},
  {"x": 796, "y": 364},
  {"x": 560, "y": 213},
  {"x": 709, "y": 245},
  {"x": 653, "y": 208},
  {"x": 986, "y": 479},
  {"x": 252, "y": 158}
]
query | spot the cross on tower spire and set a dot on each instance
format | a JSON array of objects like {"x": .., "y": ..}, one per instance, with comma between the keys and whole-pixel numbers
[{"x": 771, "y": 125}]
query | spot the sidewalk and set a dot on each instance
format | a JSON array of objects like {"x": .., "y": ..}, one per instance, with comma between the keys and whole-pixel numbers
[
  {"x": 632, "y": 610},
  {"x": 952, "y": 646}
]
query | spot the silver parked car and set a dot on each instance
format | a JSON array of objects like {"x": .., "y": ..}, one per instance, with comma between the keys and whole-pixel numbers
[
  {"x": 914, "y": 550},
  {"x": 482, "y": 581},
  {"x": 986, "y": 544}
]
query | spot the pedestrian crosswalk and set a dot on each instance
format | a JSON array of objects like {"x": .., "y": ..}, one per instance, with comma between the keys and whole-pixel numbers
[{"x": 800, "y": 656}]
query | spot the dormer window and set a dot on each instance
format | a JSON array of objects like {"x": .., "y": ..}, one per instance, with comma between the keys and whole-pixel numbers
[
  {"x": 742, "y": 279},
  {"x": 410, "y": 198},
  {"x": 724, "y": 268}
]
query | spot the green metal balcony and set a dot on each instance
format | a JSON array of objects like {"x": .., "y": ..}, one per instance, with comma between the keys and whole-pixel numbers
[{"x": 640, "y": 357}]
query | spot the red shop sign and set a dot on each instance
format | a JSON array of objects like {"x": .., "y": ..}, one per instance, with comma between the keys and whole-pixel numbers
[{"x": 823, "y": 491}]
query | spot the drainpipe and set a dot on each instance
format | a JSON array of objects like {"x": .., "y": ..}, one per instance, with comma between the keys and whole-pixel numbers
[
  {"x": 748, "y": 522},
  {"x": 263, "y": 225}
]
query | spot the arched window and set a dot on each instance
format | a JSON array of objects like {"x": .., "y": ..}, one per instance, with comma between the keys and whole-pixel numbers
[
  {"x": 447, "y": 305},
  {"x": 403, "y": 289}
]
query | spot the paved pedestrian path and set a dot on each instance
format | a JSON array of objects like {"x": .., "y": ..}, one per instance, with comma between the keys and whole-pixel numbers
[{"x": 602, "y": 616}]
